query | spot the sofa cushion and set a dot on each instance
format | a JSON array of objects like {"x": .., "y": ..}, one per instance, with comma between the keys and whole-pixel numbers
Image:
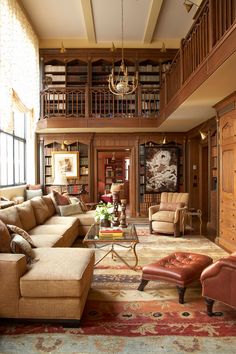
[
  {"x": 45, "y": 240},
  {"x": 41, "y": 210},
  {"x": 59, "y": 199},
  {"x": 51, "y": 208},
  {"x": 26, "y": 214},
  {"x": 70, "y": 209},
  {"x": 61, "y": 220},
  {"x": 20, "y": 245},
  {"x": 170, "y": 206},
  {"x": 5, "y": 239},
  {"x": 10, "y": 216},
  {"x": 33, "y": 193},
  {"x": 86, "y": 219},
  {"x": 166, "y": 216},
  {"x": 61, "y": 272},
  {"x": 17, "y": 230}
]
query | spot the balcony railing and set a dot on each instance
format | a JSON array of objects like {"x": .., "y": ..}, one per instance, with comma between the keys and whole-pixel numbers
[
  {"x": 98, "y": 102},
  {"x": 213, "y": 20}
]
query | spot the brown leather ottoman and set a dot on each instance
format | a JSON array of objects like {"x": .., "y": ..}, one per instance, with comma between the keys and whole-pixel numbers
[{"x": 181, "y": 268}]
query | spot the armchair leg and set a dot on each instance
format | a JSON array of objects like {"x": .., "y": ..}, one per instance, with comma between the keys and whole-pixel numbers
[
  {"x": 142, "y": 284},
  {"x": 150, "y": 227},
  {"x": 209, "y": 304},
  {"x": 181, "y": 291},
  {"x": 176, "y": 230}
]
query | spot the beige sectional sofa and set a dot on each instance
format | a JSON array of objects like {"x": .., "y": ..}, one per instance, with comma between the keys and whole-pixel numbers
[{"x": 56, "y": 285}]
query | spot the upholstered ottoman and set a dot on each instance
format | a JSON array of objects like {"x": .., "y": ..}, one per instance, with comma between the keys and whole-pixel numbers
[{"x": 181, "y": 268}]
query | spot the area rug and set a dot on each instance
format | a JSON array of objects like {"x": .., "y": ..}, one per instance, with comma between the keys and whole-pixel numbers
[{"x": 120, "y": 319}]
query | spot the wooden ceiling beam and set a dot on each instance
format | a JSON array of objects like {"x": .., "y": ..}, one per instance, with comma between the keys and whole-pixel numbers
[
  {"x": 153, "y": 15},
  {"x": 89, "y": 20}
]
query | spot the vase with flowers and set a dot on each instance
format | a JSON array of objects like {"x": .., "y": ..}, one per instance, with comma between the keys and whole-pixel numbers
[{"x": 104, "y": 214}]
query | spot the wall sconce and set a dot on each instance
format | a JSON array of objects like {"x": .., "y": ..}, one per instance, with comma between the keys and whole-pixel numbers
[
  {"x": 163, "y": 48},
  {"x": 203, "y": 134},
  {"x": 188, "y": 4},
  {"x": 63, "y": 49}
]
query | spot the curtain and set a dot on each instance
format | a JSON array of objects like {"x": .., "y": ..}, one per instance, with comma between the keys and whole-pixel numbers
[{"x": 19, "y": 65}]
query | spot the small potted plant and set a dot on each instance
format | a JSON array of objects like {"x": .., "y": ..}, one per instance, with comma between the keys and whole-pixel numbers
[{"x": 104, "y": 214}]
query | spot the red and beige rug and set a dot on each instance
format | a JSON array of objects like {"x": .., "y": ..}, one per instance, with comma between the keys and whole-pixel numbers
[{"x": 120, "y": 319}]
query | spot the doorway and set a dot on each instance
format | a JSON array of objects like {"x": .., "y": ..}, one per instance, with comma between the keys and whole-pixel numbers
[{"x": 113, "y": 166}]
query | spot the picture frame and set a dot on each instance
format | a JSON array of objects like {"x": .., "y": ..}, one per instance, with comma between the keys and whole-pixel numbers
[
  {"x": 65, "y": 163},
  {"x": 161, "y": 168}
]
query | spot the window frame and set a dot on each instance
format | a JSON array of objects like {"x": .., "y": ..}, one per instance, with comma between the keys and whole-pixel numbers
[{"x": 16, "y": 138}]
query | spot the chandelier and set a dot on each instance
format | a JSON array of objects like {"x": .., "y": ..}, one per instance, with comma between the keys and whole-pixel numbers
[{"x": 123, "y": 83}]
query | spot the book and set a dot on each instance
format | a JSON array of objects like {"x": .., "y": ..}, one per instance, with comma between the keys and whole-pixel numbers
[{"x": 110, "y": 233}]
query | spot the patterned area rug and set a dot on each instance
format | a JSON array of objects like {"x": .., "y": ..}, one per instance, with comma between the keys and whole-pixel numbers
[{"x": 120, "y": 319}]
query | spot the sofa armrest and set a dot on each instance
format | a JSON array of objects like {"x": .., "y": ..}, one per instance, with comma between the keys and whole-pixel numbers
[
  {"x": 152, "y": 210},
  {"x": 217, "y": 267},
  {"x": 12, "y": 267}
]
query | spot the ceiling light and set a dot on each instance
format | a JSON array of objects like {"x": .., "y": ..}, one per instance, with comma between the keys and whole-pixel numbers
[
  {"x": 123, "y": 83},
  {"x": 189, "y": 4}
]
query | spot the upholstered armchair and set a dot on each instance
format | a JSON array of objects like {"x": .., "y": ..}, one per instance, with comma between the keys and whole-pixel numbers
[
  {"x": 168, "y": 217},
  {"x": 219, "y": 282}
]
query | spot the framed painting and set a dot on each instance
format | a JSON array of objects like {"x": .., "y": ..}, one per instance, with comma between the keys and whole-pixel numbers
[
  {"x": 161, "y": 169},
  {"x": 65, "y": 163}
]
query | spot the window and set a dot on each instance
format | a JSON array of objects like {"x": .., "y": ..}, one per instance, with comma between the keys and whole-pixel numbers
[{"x": 12, "y": 152}]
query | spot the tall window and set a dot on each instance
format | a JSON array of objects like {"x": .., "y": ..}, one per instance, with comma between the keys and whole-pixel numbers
[{"x": 12, "y": 152}]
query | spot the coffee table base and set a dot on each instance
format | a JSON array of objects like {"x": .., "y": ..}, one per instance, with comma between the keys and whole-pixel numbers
[{"x": 114, "y": 253}]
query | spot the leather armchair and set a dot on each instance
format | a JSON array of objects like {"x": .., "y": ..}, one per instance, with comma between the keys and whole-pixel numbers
[
  {"x": 168, "y": 217},
  {"x": 219, "y": 283}
]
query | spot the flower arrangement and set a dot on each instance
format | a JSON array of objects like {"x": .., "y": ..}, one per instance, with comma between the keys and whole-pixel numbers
[{"x": 104, "y": 211}]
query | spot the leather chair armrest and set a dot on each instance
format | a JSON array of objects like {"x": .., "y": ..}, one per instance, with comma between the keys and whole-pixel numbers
[
  {"x": 152, "y": 210},
  {"x": 217, "y": 267}
]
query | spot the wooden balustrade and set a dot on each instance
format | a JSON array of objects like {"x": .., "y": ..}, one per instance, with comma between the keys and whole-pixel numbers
[
  {"x": 98, "y": 102},
  {"x": 212, "y": 21}
]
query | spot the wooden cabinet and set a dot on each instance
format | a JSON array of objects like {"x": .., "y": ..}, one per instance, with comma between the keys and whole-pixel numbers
[{"x": 227, "y": 186}]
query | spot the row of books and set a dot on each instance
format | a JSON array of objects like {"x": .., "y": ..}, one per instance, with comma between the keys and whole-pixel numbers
[{"x": 105, "y": 233}]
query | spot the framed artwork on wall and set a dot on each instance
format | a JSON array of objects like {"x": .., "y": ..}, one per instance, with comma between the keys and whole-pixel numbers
[
  {"x": 65, "y": 163},
  {"x": 161, "y": 169}
]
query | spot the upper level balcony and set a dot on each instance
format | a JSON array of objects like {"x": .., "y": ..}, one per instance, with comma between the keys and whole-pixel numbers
[{"x": 206, "y": 48}]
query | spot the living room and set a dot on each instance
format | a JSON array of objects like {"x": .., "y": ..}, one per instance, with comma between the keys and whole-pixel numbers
[{"x": 58, "y": 102}]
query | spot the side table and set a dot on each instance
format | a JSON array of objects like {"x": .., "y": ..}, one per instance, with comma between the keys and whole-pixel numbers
[{"x": 189, "y": 214}]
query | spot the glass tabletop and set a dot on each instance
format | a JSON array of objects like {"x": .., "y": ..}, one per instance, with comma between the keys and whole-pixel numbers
[{"x": 129, "y": 234}]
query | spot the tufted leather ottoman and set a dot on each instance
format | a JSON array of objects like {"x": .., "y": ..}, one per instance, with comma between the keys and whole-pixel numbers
[{"x": 181, "y": 268}]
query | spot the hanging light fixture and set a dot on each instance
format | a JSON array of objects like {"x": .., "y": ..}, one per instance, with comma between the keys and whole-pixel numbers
[{"x": 123, "y": 83}]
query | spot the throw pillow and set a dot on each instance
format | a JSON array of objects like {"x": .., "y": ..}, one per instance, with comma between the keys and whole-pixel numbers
[
  {"x": 31, "y": 193},
  {"x": 170, "y": 206},
  {"x": 5, "y": 239},
  {"x": 20, "y": 245},
  {"x": 41, "y": 210},
  {"x": 17, "y": 230},
  {"x": 59, "y": 199},
  {"x": 71, "y": 209}
]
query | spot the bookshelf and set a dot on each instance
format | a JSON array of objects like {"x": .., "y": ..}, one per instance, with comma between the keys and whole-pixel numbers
[
  {"x": 74, "y": 184},
  {"x": 76, "y": 73},
  {"x": 114, "y": 171}
]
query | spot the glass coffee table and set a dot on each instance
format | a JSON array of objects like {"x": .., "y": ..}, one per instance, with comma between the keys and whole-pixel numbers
[{"x": 128, "y": 240}]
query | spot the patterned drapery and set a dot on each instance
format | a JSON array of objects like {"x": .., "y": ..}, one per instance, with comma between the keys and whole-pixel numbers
[{"x": 19, "y": 64}]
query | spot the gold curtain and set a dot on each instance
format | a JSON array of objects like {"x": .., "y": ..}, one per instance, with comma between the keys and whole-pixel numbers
[{"x": 19, "y": 64}]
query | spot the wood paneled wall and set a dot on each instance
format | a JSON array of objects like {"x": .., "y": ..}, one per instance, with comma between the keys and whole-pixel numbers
[{"x": 226, "y": 111}]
